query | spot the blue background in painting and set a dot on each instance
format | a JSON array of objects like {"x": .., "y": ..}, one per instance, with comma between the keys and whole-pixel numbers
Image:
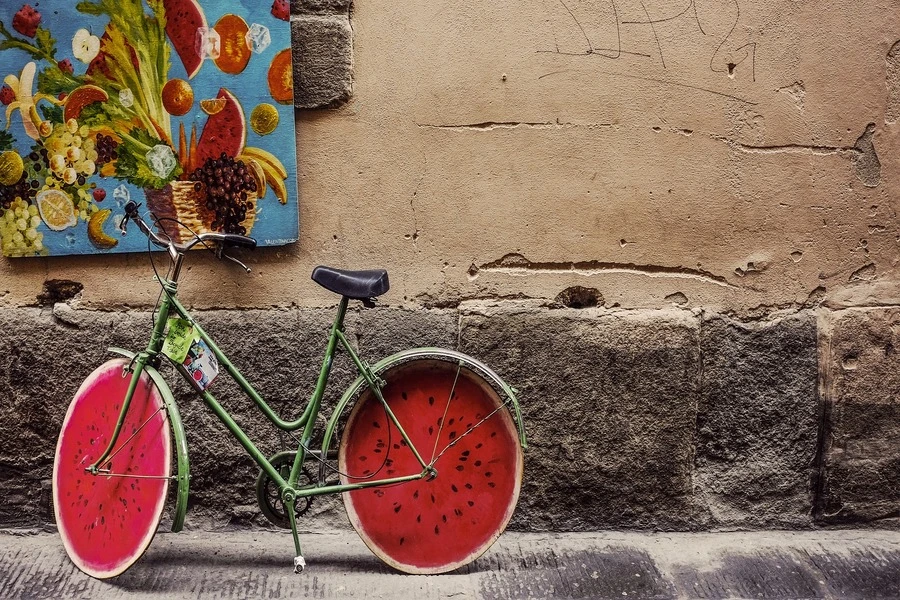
[{"x": 275, "y": 223}]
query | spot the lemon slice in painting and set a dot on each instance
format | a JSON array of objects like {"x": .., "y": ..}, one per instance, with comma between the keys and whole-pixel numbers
[{"x": 56, "y": 209}]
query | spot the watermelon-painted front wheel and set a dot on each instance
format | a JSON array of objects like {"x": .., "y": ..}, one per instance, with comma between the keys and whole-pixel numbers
[
  {"x": 459, "y": 424},
  {"x": 108, "y": 520}
]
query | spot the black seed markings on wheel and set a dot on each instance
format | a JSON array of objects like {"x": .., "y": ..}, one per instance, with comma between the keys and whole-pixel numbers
[
  {"x": 459, "y": 467},
  {"x": 437, "y": 530},
  {"x": 376, "y": 424},
  {"x": 401, "y": 541},
  {"x": 403, "y": 395},
  {"x": 457, "y": 512},
  {"x": 430, "y": 430},
  {"x": 471, "y": 503},
  {"x": 397, "y": 507},
  {"x": 430, "y": 400},
  {"x": 454, "y": 488},
  {"x": 468, "y": 486},
  {"x": 419, "y": 519},
  {"x": 444, "y": 518}
]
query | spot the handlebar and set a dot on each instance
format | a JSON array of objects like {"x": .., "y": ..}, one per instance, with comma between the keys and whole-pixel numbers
[{"x": 175, "y": 249}]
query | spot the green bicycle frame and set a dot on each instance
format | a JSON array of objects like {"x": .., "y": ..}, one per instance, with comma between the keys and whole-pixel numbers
[{"x": 149, "y": 359}]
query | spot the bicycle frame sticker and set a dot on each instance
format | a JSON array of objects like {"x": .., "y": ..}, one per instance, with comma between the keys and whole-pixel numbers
[
  {"x": 178, "y": 340},
  {"x": 201, "y": 364}
]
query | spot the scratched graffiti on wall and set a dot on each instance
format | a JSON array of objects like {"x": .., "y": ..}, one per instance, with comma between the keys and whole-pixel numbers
[{"x": 649, "y": 31}]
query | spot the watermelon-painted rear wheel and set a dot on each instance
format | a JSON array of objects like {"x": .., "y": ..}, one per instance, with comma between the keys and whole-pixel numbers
[
  {"x": 108, "y": 520},
  {"x": 456, "y": 419}
]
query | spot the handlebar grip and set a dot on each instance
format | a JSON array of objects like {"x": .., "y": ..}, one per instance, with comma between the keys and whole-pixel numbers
[
  {"x": 233, "y": 239},
  {"x": 131, "y": 208}
]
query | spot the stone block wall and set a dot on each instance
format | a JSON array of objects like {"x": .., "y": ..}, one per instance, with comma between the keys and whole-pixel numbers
[{"x": 652, "y": 419}]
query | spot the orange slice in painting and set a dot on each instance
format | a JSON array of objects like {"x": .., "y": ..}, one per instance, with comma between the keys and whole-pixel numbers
[
  {"x": 235, "y": 53},
  {"x": 212, "y": 106},
  {"x": 281, "y": 78}
]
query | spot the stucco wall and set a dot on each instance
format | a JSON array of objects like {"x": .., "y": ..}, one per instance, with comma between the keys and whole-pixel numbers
[
  {"x": 723, "y": 181},
  {"x": 495, "y": 150}
]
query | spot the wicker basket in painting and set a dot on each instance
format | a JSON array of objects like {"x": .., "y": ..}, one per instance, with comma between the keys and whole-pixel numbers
[{"x": 180, "y": 200}]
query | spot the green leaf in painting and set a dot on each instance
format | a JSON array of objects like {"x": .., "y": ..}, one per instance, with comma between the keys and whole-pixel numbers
[
  {"x": 54, "y": 82},
  {"x": 52, "y": 113},
  {"x": 132, "y": 163},
  {"x": 45, "y": 42},
  {"x": 6, "y": 140}
]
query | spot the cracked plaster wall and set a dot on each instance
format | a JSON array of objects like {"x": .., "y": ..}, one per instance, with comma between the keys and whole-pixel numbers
[{"x": 739, "y": 156}]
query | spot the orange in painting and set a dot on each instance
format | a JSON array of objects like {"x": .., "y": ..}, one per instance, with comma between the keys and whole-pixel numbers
[
  {"x": 281, "y": 77},
  {"x": 235, "y": 53}
]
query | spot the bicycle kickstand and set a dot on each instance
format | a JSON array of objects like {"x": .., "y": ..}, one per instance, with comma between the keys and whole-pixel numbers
[{"x": 299, "y": 561}]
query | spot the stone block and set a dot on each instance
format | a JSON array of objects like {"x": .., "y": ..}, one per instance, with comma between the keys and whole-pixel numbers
[
  {"x": 322, "y": 50},
  {"x": 609, "y": 402},
  {"x": 43, "y": 360},
  {"x": 861, "y": 477},
  {"x": 300, "y": 7},
  {"x": 758, "y": 421}
]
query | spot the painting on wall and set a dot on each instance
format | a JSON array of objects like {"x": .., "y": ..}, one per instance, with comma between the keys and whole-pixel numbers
[{"x": 185, "y": 106}]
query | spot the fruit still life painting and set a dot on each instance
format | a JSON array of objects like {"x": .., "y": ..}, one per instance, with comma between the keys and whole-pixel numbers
[{"x": 185, "y": 106}]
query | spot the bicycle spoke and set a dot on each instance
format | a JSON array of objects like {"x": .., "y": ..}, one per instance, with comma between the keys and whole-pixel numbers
[
  {"x": 131, "y": 475},
  {"x": 131, "y": 437},
  {"x": 467, "y": 432},
  {"x": 444, "y": 417}
]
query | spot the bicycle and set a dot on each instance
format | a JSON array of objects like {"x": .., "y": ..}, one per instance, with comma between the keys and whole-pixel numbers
[{"x": 409, "y": 414}]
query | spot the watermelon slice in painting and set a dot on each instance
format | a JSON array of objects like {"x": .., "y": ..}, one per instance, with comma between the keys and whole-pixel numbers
[{"x": 108, "y": 520}]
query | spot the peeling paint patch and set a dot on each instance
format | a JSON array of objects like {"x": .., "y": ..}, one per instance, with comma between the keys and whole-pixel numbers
[
  {"x": 797, "y": 92},
  {"x": 59, "y": 290},
  {"x": 892, "y": 80},
  {"x": 865, "y": 273},
  {"x": 580, "y": 297},
  {"x": 677, "y": 298},
  {"x": 751, "y": 267},
  {"x": 868, "y": 167},
  {"x": 517, "y": 265}
]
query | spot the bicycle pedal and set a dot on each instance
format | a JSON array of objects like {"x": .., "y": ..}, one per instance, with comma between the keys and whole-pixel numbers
[{"x": 299, "y": 564}]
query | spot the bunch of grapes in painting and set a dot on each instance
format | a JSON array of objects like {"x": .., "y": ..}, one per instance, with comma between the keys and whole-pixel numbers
[{"x": 228, "y": 184}]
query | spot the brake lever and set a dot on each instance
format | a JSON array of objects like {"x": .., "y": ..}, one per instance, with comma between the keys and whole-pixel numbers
[{"x": 233, "y": 259}]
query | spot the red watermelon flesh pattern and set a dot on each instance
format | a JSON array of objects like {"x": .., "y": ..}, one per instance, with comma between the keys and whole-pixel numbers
[
  {"x": 225, "y": 131},
  {"x": 183, "y": 19},
  {"x": 433, "y": 526},
  {"x": 107, "y": 522}
]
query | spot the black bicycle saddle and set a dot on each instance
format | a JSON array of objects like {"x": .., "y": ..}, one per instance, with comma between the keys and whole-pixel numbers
[{"x": 359, "y": 285}]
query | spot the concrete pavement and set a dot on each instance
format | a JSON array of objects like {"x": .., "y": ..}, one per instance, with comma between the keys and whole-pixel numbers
[{"x": 846, "y": 564}]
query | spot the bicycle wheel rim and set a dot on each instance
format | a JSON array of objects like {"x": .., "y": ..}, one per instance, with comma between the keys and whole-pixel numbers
[
  {"x": 428, "y": 527},
  {"x": 106, "y": 522}
]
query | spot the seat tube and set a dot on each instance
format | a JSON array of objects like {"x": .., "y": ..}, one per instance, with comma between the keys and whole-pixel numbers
[{"x": 336, "y": 328}]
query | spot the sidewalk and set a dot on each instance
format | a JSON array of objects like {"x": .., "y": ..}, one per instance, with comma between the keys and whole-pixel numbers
[{"x": 851, "y": 564}]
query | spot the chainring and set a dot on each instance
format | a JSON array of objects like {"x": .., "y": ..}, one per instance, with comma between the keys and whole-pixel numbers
[{"x": 269, "y": 497}]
